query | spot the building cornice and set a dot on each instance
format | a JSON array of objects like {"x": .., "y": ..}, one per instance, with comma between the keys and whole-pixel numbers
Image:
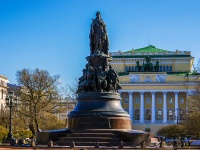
[
  {"x": 153, "y": 91},
  {"x": 161, "y": 84}
]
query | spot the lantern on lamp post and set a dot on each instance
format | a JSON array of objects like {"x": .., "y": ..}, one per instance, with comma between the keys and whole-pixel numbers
[{"x": 11, "y": 101}]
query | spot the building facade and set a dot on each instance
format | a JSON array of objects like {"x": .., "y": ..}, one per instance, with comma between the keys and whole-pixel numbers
[
  {"x": 156, "y": 85},
  {"x": 3, "y": 91}
]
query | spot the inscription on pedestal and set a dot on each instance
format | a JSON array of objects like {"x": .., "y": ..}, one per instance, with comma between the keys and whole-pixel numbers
[{"x": 94, "y": 123}]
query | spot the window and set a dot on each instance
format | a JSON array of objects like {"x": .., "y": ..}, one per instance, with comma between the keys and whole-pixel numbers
[
  {"x": 160, "y": 68},
  {"x": 159, "y": 114},
  {"x": 132, "y": 68},
  {"x": 170, "y": 68},
  {"x": 164, "y": 68},
  {"x": 2, "y": 94},
  {"x": 182, "y": 100},
  {"x": 167, "y": 69},
  {"x": 137, "y": 114},
  {"x": 129, "y": 68},
  {"x": 170, "y": 101},
  {"x": 148, "y": 114},
  {"x": 126, "y": 101},
  {"x": 170, "y": 115},
  {"x": 137, "y": 101},
  {"x": 126, "y": 69},
  {"x": 148, "y": 100},
  {"x": 159, "y": 100}
]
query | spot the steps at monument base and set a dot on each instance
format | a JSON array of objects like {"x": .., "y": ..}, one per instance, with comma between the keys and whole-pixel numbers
[
  {"x": 90, "y": 137},
  {"x": 68, "y": 143}
]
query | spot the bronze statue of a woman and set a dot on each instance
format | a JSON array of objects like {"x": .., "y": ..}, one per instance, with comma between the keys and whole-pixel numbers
[{"x": 98, "y": 36}]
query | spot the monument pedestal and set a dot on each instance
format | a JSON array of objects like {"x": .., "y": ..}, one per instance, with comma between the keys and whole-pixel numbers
[
  {"x": 98, "y": 110},
  {"x": 99, "y": 123}
]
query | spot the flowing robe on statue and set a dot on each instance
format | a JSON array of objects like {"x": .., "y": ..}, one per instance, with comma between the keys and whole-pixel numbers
[{"x": 98, "y": 36}]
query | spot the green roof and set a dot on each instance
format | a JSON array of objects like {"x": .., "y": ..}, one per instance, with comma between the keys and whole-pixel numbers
[
  {"x": 148, "y": 49},
  {"x": 152, "y": 56}
]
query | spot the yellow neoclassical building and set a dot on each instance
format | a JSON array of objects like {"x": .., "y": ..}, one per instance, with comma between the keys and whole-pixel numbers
[{"x": 156, "y": 84}]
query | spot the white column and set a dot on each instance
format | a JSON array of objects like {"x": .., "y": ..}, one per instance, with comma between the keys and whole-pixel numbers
[
  {"x": 153, "y": 108},
  {"x": 131, "y": 105},
  {"x": 141, "y": 107},
  {"x": 164, "y": 107},
  {"x": 176, "y": 105}
]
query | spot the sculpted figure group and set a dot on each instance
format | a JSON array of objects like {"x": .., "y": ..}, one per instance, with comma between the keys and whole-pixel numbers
[{"x": 98, "y": 80}]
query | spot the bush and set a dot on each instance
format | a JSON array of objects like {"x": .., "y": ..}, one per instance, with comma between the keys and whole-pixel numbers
[
  {"x": 172, "y": 131},
  {"x": 3, "y": 133},
  {"x": 22, "y": 134}
]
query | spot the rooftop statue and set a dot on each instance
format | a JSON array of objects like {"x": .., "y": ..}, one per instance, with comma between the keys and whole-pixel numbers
[
  {"x": 147, "y": 66},
  {"x": 98, "y": 36}
]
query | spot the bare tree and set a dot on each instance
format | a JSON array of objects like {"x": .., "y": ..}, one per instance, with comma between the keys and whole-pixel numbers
[
  {"x": 69, "y": 92},
  {"x": 192, "y": 122},
  {"x": 39, "y": 96}
]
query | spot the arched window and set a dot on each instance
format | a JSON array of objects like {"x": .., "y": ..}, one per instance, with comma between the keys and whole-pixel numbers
[
  {"x": 159, "y": 114},
  {"x": 137, "y": 114},
  {"x": 148, "y": 114}
]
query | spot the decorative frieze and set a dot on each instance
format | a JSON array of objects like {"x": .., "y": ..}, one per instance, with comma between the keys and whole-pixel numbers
[
  {"x": 134, "y": 78},
  {"x": 161, "y": 78},
  {"x": 147, "y": 79}
]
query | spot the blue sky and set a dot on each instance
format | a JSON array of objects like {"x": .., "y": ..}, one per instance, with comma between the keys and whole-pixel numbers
[{"x": 54, "y": 34}]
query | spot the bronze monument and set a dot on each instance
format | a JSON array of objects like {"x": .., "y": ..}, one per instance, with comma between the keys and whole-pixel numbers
[
  {"x": 98, "y": 116},
  {"x": 98, "y": 104}
]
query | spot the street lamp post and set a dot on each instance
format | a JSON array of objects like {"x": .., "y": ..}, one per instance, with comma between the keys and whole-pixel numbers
[
  {"x": 177, "y": 117},
  {"x": 11, "y": 101}
]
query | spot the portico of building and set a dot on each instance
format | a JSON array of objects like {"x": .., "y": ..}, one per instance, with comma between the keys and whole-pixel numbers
[{"x": 151, "y": 108}]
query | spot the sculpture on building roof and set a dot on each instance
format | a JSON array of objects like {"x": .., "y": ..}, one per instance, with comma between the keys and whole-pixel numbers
[
  {"x": 147, "y": 66},
  {"x": 156, "y": 67},
  {"x": 98, "y": 36}
]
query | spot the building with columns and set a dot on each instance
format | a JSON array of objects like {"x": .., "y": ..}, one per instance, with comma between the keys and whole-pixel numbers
[{"x": 156, "y": 84}]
